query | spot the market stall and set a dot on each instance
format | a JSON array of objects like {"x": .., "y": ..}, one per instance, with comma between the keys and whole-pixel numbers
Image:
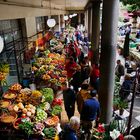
[
  {"x": 31, "y": 113},
  {"x": 35, "y": 112}
]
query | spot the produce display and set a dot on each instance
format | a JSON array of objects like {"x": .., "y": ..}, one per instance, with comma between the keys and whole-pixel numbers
[
  {"x": 32, "y": 112},
  {"x": 4, "y": 103},
  {"x": 35, "y": 112},
  {"x": 49, "y": 69},
  {"x": 50, "y": 132},
  {"x": 4, "y": 70}
]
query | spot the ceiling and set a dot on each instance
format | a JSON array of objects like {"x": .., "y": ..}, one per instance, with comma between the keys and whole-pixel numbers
[
  {"x": 71, "y": 4},
  {"x": 62, "y": 4}
]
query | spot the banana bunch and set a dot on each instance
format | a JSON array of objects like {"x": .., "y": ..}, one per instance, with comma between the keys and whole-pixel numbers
[{"x": 4, "y": 68}]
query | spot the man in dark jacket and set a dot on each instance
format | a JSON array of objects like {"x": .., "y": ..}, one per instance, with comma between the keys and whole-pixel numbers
[
  {"x": 69, "y": 100},
  {"x": 119, "y": 70}
]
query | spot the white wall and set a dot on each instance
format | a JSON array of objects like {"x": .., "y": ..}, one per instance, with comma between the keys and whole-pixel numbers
[{"x": 15, "y": 12}]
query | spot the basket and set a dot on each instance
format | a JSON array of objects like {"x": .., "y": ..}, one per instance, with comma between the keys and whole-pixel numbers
[{"x": 8, "y": 117}]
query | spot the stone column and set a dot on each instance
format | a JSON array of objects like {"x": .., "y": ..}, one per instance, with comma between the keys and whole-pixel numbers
[
  {"x": 59, "y": 23},
  {"x": 95, "y": 34},
  {"x": 62, "y": 21},
  {"x": 79, "y": 18},
  {"x": 86, "y": 20},
  {"x": 30, "y": 26},
  {"x": 108, "y": 57},
  {"x": 89, "y": 23},
  {"x": 134, "y": 26}
]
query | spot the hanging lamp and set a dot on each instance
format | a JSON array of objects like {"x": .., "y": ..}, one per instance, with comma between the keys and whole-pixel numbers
[
  {"x": 51, "y": 21},
  {"x": 1, "y": 44},
  {"x": 65, "y": 17}
]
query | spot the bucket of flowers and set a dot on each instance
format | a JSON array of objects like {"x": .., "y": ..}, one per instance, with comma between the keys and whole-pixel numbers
[
  {"x": 107, "y": 132},
  {"x": 99, "y": 132}
]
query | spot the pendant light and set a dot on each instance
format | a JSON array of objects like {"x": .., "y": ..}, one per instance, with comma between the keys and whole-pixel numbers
[
  {"x": 65, "y": 17},
  {"x": 1, "y": 44},
  {"x": 51, "y": 21}
]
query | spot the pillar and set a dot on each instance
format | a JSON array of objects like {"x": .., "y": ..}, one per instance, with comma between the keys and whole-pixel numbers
[
  {"x": 79, "y": 18},
  {"x": 108, "y": 57},
  {"x": 134, "y": 26},
  {"x": 89, "y": 23},
  {"x": 86, "y": 20},
  {"x": 95, "y": 34},
  {"x": 59, "y": 23},
  {"x": 30, "y": 26},
  {"x": 62, "y": 21}
]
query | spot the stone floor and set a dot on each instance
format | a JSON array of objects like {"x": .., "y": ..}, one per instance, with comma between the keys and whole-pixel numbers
[{"x": 64, "y": 118}]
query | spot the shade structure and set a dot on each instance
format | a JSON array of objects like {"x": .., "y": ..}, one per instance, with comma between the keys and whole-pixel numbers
[{"x": 51, "y": 22}]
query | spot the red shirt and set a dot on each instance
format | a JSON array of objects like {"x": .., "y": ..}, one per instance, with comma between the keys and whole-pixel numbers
[{"x": 70, "y": 68}]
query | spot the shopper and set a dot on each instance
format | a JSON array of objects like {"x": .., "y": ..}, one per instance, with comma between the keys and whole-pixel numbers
[
  {"x": 85, "y": 69},
  {"x": 90, "y": 113},
  {"x": 129, "y": 137},
  {"x": 70, "y": 67},
  {"x": 69, "y": 97},
  {"x": 94, "y": 76},
  {"x": 126, "y": 87},
  {"x": 119, "y": 70},
  {"x": 69, "y": 131},
  {"x": 76, "y": 79},
  {"x": 82, "y": 95}
]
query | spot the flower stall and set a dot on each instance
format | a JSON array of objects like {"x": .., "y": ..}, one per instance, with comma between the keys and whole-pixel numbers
[{"x": 107, "y": 132}]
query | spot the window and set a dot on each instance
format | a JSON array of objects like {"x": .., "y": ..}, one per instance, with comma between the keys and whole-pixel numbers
[{"x": 11, "y": 31}]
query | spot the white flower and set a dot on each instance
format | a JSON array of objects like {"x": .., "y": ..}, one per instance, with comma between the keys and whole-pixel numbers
[{"x": 114, "y": 134}]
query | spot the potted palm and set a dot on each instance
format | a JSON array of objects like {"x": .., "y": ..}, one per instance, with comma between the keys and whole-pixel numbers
[{"x": 122, "y": 104}]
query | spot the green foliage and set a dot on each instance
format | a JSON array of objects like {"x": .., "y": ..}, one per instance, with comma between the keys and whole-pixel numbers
[
  {"x": 48, "y": 94},
  {"x": 27, "y": 127},
  {"x": 120, "y": 104},
  {"x": 131, "y": 5}
]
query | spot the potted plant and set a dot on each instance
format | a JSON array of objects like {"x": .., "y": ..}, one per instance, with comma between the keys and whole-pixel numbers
[{"x": 122, "y": 104}]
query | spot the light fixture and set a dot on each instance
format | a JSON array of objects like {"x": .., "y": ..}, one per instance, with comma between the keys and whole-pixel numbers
[
  {"x": 74, "y": 15},
  {"x": 66, "y": 17},
  {"x": 51, "y": 22},
  {"x": 70, "y": 16},
  {"x": 1, "y": 44}
]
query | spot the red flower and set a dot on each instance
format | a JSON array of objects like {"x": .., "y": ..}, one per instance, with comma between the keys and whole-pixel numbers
[
  {"x": 101, "y": 129},
  {"x": 121, "y": 137}
]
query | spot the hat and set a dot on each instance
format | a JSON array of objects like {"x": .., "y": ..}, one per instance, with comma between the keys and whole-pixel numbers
[{"x": 93, "y": 92}]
